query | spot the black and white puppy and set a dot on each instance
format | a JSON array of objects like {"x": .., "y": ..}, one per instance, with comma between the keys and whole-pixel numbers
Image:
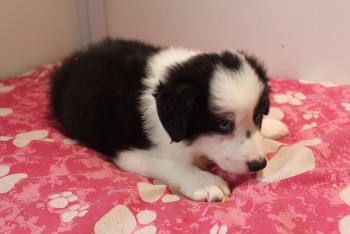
[{"x": 156, "y": 111}]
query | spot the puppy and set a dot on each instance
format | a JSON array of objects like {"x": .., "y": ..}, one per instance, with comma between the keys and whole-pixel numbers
[{"x": 156, "y": 111}]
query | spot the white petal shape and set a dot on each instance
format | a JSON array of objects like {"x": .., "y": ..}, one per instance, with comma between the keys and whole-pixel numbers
[
  {"x": 33, "y": 135},
  {"x": 69, "y": 141},
  {"x": 147, "y": 230},
  {"x": 69, "y": 215},
  {"x": 117, "y": 220},
  {"x": 5, "y": 111},
  {"x": 5, "y": 138},
  {"x": 288, "y": 162},
  {"x": 345, "y": 195},
  {"x": 344, "y": 225},
  {"x": 21, "y": 142},
  {"x": 270, "y": 145},
  {"x": 8, "y": 182},
  {"x": 150, "y": 192},
  {"x": 295, "y": 101},
  {"x": 58, "y": 203},
  {"x": 282, "y": 98},
  {"x": 170, "y": 198},
  {"x": 7, "y": 88},
  {"x": 4, "y": 170},
  {"x": 310, "y": 142},
  {"x": 146, "y": 216},
  {"x": 300, "y": 96},
  {"x": 275, "y": 113}
]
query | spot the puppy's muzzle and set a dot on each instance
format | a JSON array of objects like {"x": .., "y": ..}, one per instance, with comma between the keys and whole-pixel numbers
[{"x": 257, "y": 165}]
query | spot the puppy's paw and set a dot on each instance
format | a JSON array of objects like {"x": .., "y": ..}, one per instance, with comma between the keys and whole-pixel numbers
[
  {"x": 274, "y": 129},
  {"x": 204, "y": 186}
]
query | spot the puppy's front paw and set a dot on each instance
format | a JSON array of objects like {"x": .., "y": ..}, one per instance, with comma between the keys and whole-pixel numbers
[
  {"x": 274, "y": 129},
  {"x": 204, "y": 186}
]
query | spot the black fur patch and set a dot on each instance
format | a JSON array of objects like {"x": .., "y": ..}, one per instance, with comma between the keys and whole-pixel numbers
[
  {"x": 188, "y": 115},
  {"x": 94, "y": 95},
  {"x": 184, "y": 97}
]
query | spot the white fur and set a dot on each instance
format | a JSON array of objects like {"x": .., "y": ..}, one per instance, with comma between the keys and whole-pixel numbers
[
  {"x": 157, "y": 68},
  {"x": 173, "y": 163},
  {"x": 236, "y": 93}
]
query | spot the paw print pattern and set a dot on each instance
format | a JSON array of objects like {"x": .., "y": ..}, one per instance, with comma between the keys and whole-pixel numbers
[
  {"x": 23, "y": 139},
  {"x": 216, "y": 229},
  {"x": 74, "y": 211},
  {"x": 61, "y": 200},
  {"x": 7, "y": 182},
  {"x": 294, "y": 98},
  {"x": 127, "y": 221},
  {"x": 309, "y": 126},
  {"x": 346, "y": 106},
  {"x": 311, "y": 114}
]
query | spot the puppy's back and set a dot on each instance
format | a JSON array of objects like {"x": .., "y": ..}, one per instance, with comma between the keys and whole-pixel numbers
[{"x": 94, "y": 95}]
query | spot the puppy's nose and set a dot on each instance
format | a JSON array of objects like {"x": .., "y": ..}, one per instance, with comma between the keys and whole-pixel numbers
[{"x": 257, "y": 165}]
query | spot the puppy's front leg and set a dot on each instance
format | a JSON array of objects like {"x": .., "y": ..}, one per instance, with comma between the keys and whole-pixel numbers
[{"x": 192, "y": 182}]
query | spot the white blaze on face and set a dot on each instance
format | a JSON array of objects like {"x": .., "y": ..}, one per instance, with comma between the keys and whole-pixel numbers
[{"x": 237, "y": 93}]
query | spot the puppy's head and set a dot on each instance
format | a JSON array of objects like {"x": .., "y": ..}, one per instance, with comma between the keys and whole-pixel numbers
[{"x": 215, "y": 103}]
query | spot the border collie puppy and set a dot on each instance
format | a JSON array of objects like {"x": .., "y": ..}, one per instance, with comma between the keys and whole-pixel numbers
[{"x": 157, "y": 111}]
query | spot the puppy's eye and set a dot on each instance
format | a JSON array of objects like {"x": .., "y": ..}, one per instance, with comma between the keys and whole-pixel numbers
[{"x": 225, "y": 125}]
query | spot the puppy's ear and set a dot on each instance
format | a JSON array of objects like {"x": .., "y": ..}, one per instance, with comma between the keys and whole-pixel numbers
[{"x": 176, "y": 105}]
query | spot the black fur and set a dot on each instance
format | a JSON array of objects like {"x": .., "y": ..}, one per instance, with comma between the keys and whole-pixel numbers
[
  {"x": 94, "y": 95},
  {"x": 182, "y": 102}
]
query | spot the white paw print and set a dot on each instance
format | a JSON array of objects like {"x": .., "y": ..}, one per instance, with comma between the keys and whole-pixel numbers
[
  {"x": 23, "y": 139},
  {"x": 7, "y": 182},
  {"x": 294, "y": 98},
  {"x": 346, "y": 106},
  {"x": 6, "y": 88},
  {"x": 127, "y": 221},
  {"x": 216, "y": 229},
  {"x": 309, "y": 126},
  {"x": 311, "y": 114},
  {"x": 61, "y": 200},
  {"x": 74, "y": 211}
]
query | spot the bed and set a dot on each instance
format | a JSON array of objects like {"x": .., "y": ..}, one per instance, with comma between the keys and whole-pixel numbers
[{"x": 51, "y": 184}]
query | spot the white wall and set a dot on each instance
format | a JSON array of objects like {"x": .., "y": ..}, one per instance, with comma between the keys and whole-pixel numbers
[
  {"x": 297, "y": 38},
  {"x": 35, "y": 32}
]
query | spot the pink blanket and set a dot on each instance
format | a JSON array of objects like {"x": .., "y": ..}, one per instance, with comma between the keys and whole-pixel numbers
[{"x": 51, "y": 184}]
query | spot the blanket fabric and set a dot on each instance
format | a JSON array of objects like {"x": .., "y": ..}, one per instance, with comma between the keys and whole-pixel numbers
[{"x": 51, "y": 184}]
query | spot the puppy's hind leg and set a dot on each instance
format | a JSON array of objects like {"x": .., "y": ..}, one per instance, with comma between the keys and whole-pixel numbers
[{"x": 274, "y": 129}]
